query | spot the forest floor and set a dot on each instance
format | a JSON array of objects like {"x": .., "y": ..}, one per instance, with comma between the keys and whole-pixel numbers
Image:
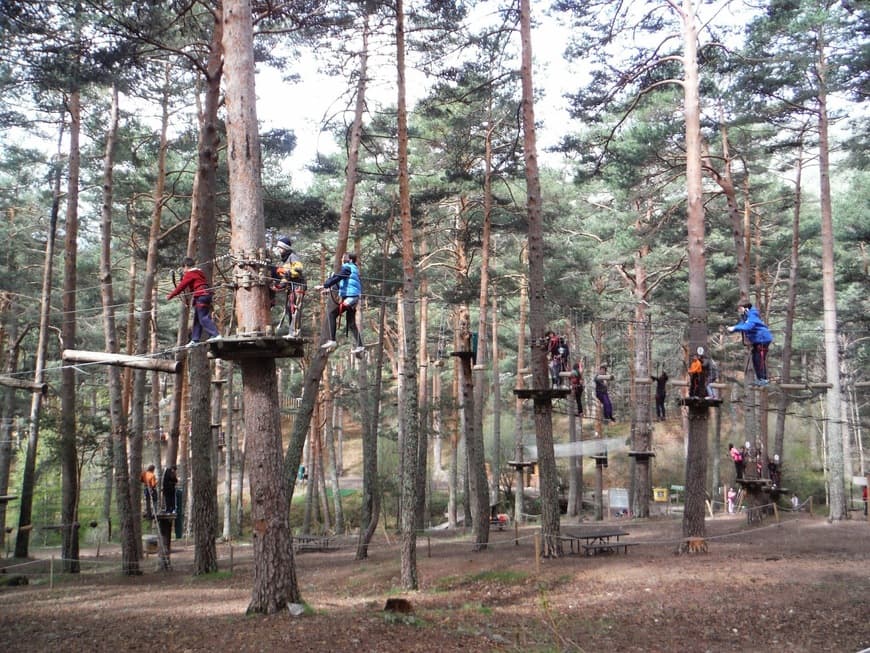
[{"x": 800, "y": 584}]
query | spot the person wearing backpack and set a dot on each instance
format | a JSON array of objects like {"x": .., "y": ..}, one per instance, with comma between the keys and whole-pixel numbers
[{"x": 289, "y": 277}]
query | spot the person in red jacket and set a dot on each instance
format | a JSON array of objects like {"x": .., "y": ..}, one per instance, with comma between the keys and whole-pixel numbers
[{"x": 194, "y": 281}]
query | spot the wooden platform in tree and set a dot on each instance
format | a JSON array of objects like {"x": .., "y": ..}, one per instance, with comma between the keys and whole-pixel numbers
[
  {"x": 245, "y": 347},
  {"x": 641, "y": 455}
]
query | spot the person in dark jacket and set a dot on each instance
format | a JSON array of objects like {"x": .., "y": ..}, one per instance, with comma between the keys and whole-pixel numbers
[
  {"x": 349, "y": 292},
  {"x": 661, "y": 393},
  {"x": 759, "y": 338},
  {"x": 170, "y": 481},
  {"x": 577, "y": 386},
  {"x": 194, "y": 280}
]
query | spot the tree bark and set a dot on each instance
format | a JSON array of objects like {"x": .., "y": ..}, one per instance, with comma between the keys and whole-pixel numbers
[
  {"x": 131, "y": 548},
  {"x": 696, "y": 458},
  {"x": 549, "y": 481},
  {"x": 275, "y": 584},
  {"x": 833, "y": 400},
  {"x": 409, "y": 415},
  {"x": 28, "y": 476},
  {"x": 68, "y": 426},
  {"x": 204, "y": 463},
  {"x": 791, "y": 302}
]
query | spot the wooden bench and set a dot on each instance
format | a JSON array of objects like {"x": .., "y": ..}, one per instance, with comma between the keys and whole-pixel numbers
[{"x": 606, "y": 547}]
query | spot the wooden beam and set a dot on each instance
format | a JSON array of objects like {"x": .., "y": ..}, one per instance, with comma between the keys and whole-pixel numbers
[
  {"x": 23, "y": 384},
  {"x": 121, "y": 360}
]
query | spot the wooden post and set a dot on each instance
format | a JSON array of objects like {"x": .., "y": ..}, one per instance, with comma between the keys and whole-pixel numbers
[
  {"x": 775, "y": 512},
  {"x": 538, "y": 551}
]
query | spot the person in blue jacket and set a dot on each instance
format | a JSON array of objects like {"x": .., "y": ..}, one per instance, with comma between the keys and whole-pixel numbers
[
  {"x": 349, "y": 291},
  {"x": 759, "y": 337}
]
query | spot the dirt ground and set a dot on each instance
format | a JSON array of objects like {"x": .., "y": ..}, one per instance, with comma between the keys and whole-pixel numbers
[{"x": 798, "y": 585}]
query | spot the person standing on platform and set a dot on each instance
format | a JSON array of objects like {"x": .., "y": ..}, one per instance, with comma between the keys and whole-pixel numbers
[
  {"x": 759, "y": 337},
  {"x": 696, "y": 378},
  {"x": 289, "y": 277},
  {"x": 737, "y": 457},
  {"x": 149, "y": 481}
]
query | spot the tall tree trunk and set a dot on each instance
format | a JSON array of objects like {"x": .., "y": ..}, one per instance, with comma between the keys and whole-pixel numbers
[
  {"x": 791, "y": 301},
  {"x": 68, "y": 426},
  {"x": 204, "y": 514},
  {"x": 838, "y": 509},
  {"x": 496, "y": 404},
  {"x": 229, "y": 452},
  {"x": 28, "y": 477},
  {"x": 334, "y": 481},
  {"x": 478, "y": 490},
  {"x": 641, "y": 422},
  {"x": 482, "y": 358},
  {"x": 409, "y": 415},
  {"x": 275, "y": 582},
  {"x": 12, "y": 343},
  {"x": 696, "y": 459},
  {"x": 423, "y": 399},
  {"x": 131, "y": 548},
  {"x": 519, "y": 482},
  {"x": 549, "y": 481},
  {"x": 147, "y": 316},
  {"x": 370, "y": 409}
]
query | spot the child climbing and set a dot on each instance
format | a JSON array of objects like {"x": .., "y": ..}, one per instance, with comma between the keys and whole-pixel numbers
[
  {"x": 696, "y": 377},
  {"x": 289, "y": 277}
]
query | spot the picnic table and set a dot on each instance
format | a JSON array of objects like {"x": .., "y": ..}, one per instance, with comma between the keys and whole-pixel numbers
[{"x": 592, "y": 542}]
